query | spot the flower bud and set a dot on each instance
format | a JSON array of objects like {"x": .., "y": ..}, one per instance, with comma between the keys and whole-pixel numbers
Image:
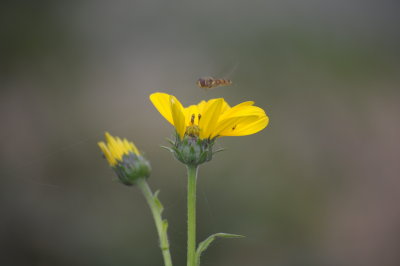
[
  {"x": 131, "y": 168},
  {"x": 125, "y": 159}
]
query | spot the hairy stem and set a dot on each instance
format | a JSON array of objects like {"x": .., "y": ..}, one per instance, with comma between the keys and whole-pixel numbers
[
  {"x": 191, "y": 202},
  {"x": 160, "y": 225}
]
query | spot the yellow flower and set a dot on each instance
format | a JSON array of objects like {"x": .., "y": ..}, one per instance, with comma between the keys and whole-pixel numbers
[
  {"x": 114, "y": 149},
  {"x": 211, "y": 119}
]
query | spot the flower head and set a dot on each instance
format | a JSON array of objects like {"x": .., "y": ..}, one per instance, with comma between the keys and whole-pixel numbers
[
  {"x": 211, "y": 119},
  {"x": 199, "y": 125},
  {"x": 125, "y": 159}
]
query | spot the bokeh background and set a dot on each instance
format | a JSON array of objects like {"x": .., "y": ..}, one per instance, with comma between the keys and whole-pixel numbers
[{"x": 319, "y": 186}]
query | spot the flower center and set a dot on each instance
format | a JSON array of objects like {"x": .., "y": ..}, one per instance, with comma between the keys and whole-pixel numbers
[{"x": 193, "y": 130}]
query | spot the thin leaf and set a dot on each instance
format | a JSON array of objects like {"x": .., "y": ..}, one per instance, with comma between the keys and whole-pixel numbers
[
  {"x": 160, "y": 207},
  {"x": 170, "y": 141},
  {"x": 165, "y": 225},
  {"x": 219, "y": 150},
  {"x": 204, "y": 245},
  {"x": 168, "y": 148}
]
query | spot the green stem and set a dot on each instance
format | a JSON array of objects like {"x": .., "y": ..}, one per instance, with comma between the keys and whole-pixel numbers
[
  {"x": 191, "y": 201},
  {"x": 161, "y": 226}
]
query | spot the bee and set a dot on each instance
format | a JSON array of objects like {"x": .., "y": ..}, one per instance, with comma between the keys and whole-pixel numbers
[{"x": 210, "y": 82}]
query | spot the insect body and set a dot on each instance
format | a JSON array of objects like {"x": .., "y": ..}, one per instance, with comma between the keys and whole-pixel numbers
[{"x": 210, "y": 82}]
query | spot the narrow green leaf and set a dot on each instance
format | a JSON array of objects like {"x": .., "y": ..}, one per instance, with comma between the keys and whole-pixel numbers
[
  {"x": 219, "y": 150},
  {"x": 170, "y": 141},
  {"x": 160, "y": 207},
  {"x": 164, "y": 238},
  {"x": 167, "y": 148},
  {"x": 165, "y": 225},
  {"x": 204, "y": 245}
]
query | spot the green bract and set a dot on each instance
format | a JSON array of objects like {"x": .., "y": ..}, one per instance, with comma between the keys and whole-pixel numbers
[
  {"x": 131, "y": 168},
  {"x": 192, "y": 150}
]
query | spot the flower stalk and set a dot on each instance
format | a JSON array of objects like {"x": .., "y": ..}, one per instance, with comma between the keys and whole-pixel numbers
[
  {"x": 161, "y": 225},
  {"x": 191, "y": 205}
]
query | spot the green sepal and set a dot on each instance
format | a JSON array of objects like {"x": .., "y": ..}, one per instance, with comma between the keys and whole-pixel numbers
[
  {"x": 168, "y": 149},
  {"x": 192, "y": 150},
  {"x": 204, "y": 245},
  {"x": 170, "y": 141},
  {"x": 203, "y": 156},
  {"x": 219, "y": 150}
]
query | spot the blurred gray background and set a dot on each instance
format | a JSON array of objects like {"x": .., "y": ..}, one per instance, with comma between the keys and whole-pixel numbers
[{"x": 319, "y": 186}]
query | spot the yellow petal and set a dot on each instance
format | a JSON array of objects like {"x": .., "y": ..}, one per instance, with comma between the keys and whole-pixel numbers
[
  {"x": 248, "y": 103},
  {"x": 129, "y": 147},
  {"x": 113, "y": 146},
  {"x": 225, "y": 107},
  {"x": 243, "y": 119},
  {"x": 108, "y": 137},
  {"x": 189, "y": 111},
  {"x": 161, "y": 102},
  {"x": 134, "y": 148},
  {"x": 247, "y": 126},
  {"x": 111, "y": 160},
  {"x": 230, "y": 124},
  {"x": 239, "y": 109},
  {"x": 201, "y": 106},
  {"x": 210, "y": 116},
  {"x": 178, "y": 116},
  {"x": 116, "y": 148},
  {"x": 225, "y": 124}
]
